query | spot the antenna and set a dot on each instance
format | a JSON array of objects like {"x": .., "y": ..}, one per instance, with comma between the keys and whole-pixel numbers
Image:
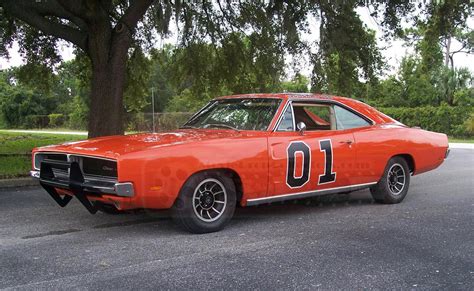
[{"x": 153, "y": 107}]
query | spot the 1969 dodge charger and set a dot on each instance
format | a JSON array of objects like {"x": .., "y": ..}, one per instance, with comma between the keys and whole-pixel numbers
[{"x": 243, "y": 150}]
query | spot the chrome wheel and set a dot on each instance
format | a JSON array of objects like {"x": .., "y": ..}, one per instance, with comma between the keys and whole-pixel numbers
[
  {"x": 396, "y": 179},
  {"x": 209, "y": 200}
]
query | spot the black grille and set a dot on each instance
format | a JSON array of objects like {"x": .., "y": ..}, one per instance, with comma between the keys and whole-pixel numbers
[
  {"x": 91, "y": 167},
  {"x": 50, "y": 156},
  {"x": 99, "y": 167}
]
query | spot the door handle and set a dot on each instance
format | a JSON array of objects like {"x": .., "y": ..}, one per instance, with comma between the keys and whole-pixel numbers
[{"x": 347, "y": 141}]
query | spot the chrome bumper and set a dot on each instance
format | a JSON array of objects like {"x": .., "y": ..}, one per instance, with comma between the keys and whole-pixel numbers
[{"x": 120, "y": 189}]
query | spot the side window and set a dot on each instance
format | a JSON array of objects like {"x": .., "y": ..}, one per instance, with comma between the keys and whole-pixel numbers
[
  {"x": 286, "y": 123},
  {"x": 315, "y": 116},
  {"x": 347, "y": 120}
]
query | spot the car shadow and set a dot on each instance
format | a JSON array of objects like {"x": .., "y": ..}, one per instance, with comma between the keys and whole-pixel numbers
[
  {"x": 297, "y": 207},
  {"x": 160, "y": 221}
]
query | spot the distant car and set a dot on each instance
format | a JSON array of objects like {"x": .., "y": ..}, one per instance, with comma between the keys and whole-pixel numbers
[{"x": 247, "y": 150}]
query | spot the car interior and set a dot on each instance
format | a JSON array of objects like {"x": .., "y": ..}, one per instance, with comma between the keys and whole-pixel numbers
[{"x": 318, "y": 116}]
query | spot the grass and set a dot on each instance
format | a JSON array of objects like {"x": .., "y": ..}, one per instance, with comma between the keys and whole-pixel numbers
[
  {"x": 461, "y": 140},
  {"x": 15, "y": 149}
]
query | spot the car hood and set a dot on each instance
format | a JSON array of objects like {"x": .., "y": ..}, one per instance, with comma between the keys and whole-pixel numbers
[{"x": 115, "y": 146}]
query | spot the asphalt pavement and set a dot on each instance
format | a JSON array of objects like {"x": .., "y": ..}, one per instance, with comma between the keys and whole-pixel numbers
[{"x": 334, "y": 242}]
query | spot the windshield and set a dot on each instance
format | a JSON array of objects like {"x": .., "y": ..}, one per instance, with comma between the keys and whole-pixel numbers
[{"x": 238, "y": 114}]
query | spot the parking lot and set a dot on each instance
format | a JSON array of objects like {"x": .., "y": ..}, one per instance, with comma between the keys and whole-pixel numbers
[{"x": 338, "y": 241}]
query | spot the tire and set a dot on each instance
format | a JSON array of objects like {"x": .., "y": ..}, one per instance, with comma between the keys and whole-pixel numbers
[
  {"x": 107, "y": 208},
  {"x": 206, "y": 203},
  {"x": 393, "y": 186}
]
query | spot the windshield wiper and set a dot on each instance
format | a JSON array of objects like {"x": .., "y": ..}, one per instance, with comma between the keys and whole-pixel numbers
[{"x": 221, "y": 125}]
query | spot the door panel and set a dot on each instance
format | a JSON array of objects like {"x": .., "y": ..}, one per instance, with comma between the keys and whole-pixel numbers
[{"x": 313, "y": 161}]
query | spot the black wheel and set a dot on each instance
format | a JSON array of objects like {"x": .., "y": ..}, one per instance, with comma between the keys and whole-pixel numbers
[
  {"x": 108, "y": 208},
  {"x": 393, "y": 186},
  {"x": 206, "y": 203}
]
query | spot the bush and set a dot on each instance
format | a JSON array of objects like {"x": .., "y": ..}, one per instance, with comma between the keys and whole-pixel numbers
[
  {"x": 56, "y": 119},
  {"x": 163, "y": 121},
  {"x": 467, "y": 128},
  {"x": 35, "y": 121},
  {"x": 451, "y": 120}
]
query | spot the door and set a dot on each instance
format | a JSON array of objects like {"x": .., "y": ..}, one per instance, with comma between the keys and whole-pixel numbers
[{"x": 322, "y": 157}]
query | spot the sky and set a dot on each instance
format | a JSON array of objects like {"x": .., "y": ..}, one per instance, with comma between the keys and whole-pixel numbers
[{"x": 393, "y": 52}]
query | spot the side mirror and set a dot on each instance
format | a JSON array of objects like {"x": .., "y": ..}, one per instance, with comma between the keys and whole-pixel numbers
[{"x": 301, "y": 126}]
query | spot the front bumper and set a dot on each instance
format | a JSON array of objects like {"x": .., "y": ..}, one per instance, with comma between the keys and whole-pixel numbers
[
  {"x": 120, "y": 189},
  {"x": 77, "y": 184}
]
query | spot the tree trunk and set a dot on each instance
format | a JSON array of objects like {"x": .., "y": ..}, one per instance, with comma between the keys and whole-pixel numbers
[
  {"x": 106, "y": 107},
  {"x": 448, "y": 50},
  {"x": 109, "y": 68}
]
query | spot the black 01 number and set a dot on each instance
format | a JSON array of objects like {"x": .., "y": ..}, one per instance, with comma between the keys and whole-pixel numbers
[{"x": 294, "y": 181}]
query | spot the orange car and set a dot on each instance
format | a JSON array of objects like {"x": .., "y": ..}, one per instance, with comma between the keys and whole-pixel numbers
[{"x": 247, "y": 150}]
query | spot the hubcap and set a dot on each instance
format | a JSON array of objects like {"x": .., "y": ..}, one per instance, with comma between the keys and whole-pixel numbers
[
  {"x": 396, "y": 179},
  {"x": 209, "y": 200}
]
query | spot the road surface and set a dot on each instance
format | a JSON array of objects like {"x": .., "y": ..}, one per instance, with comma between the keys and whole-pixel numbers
[{"x": 335, "y": 242}]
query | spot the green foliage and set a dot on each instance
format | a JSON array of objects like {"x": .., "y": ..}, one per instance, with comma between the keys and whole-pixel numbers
[
  {"x": 299, "y": 84},
  {"x": 56, "y": 119},
  {"x": 186, "y": 102},
  {"x": 413, "y": 86},
  {"x": 163, "y": 121},
  {"x": 21, "y": 107},
  {"x": 347, "y": 51},
  {"x": 467, "y": 128},
  {"x": 451, "y": 120},
  {"x": 161, "y": 69},
  {"x": 136, "y": 86}
]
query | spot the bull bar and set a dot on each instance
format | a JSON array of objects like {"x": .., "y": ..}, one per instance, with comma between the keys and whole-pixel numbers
[{"x": 77, "y": 184}]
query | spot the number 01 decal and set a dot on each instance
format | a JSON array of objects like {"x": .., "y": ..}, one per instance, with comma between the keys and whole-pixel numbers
[
  {"x": 294, "y": 181},
  {"x": 328, "y": 176}
]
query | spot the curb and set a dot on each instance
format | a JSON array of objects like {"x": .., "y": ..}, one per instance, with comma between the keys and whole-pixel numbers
[{"x": 18, "y": 182}]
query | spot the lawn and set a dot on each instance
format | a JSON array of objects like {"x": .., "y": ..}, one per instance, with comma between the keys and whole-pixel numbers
[
  {"x": 459, "y": 140},
  {"x": 15, "y": 149}
]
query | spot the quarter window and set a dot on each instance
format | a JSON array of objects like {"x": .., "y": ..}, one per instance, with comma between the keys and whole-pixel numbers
[{"x": 347, "y": 120}]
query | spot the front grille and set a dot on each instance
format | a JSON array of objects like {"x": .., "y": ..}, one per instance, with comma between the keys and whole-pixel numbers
[
  {"x": 92, "y": 168},
  {"x": 98, "y": 167}
]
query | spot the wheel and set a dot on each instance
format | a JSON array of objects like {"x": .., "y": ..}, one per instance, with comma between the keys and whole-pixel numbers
[
  {"x": 206, "y": 203},
  {"x": 107, "y": 208},
  {"x": 393, "y": 186}
]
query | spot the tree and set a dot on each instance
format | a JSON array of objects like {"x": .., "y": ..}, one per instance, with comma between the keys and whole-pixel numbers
[
  {"x": 116, "y": 35},
  {"x": 433, "y": 35},
  {"x": 347, "y": 50},
  {"x": 298, "y": 84},
  {"x": 102, "y": 29},
  {"x": 105, "y": 30}
]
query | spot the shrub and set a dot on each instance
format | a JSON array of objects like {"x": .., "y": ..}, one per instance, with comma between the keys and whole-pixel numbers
[
  {"x": 35, "y": 121},
  {"x": 56, "y": 119},
  {"x": 451, "y": 120},
  {"x": 163, "y": 121}
]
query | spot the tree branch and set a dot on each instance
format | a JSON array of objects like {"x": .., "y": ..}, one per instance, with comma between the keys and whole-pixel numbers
[
  {"x": 75, "y": 7},
  {"x": 30, "y": 13},
  {"x": 134, "y": 13},
  {"x": 53, "y": 8}
]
